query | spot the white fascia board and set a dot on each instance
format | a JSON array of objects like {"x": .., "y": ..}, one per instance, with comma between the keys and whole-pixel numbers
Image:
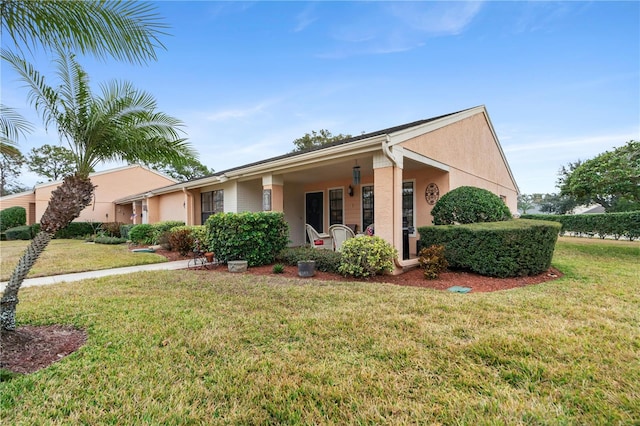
[{"x": 425, "y": 160}]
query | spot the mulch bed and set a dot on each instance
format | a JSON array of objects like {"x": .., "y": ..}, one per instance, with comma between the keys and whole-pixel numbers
[{"x": 31, "y": 348}]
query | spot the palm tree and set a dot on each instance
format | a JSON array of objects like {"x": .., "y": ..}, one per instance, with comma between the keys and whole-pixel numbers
[
  {"x": 12, "y": 125},
  {"x": 121, "y": 124},
  {"x": 126, "y": 30}
]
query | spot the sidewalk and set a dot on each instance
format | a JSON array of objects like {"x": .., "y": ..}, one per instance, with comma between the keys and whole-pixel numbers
[{"x": 56, "y": 279}]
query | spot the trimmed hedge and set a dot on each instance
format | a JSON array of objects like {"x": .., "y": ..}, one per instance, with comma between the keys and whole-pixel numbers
[
  {"x": 18, "y": 233},
  {"x": 254, "y": 237},
  {"x": 616, "y": 225},
  {"x": 366, "y": 257},
  {"x": 109, "y": 240},
  {"x": 497, "y": 249},
  {"x": 78, "y": 230},
  {"x": 326, "y": 260},
  {"x": 468, "y": 204},
  {"x": 141, "y": 234},
  {"x": 12, "y": 217}
]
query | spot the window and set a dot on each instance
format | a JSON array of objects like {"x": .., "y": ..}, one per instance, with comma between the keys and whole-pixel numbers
[
  {"x": 407, "y": 205},
  {"x": 212, "y": 203},
  {"x": 335, "y": 206},
  {"x": 367, "y": 206}
]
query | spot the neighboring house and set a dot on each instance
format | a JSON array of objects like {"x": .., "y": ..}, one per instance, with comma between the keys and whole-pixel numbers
[
  {"x": 590, "y": 209},
  {"x": 110, "y": 185},
  {"x": 392, "y": 177}
]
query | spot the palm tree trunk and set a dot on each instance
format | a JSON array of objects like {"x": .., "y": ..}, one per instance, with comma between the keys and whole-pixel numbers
[{"x": 66, "y": 203}]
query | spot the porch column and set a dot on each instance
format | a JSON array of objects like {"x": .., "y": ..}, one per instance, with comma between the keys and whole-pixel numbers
[
  {"x": 274, "y": 184},
  {"x": 387, "y": 210}
]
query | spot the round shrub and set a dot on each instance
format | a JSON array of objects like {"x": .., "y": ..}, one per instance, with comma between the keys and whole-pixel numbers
[
  {"x": 12, "y": 217},
  {"x": 366, "y": 257},
  {"x": 468, "y": 204}
]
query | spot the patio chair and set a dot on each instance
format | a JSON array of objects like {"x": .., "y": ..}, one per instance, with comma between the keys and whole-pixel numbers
[
  {"x": 340, "y": 234},
  {"x": 317, "y": 240}
]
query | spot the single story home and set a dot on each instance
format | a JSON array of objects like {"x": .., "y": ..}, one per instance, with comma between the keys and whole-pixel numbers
[
  {"x": 392, "y": 177},
  {"x": 110, "y": 185}
]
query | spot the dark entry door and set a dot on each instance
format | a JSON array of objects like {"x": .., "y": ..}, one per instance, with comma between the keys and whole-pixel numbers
[{"x": 314, "y": 209}]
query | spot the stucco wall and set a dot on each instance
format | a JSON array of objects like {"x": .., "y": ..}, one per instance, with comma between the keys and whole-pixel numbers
[
  {"x": 110, "y": 186},
  {"x": 25, "y": 200},
  {"x": 172, "y": 206},
  {"x": 249, "y": 196},
  {"x": 469, "y": 148}
]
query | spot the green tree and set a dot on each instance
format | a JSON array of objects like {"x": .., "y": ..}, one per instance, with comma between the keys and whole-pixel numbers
[
  {"x": 122, "y": 124},
  {"x": 611, "y": 179},
  {"x": 317, "y": 139},
  {"x": 557, "y": 204},
  {"x": 50, "y": 161},
  {"x": 191, "y": 169},
  {"x": 525, "y": 202},
  {"x": 10, "y": 169}
]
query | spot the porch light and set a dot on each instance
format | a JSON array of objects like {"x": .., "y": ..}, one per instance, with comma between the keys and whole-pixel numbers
[{"x": 356, "y": 174}]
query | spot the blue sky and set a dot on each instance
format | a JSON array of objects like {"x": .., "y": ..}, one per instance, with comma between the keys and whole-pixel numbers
[{"x": 560, "y": 80}]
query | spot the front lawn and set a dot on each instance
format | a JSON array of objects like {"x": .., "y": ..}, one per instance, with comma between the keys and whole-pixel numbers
[
  {"x": 67, "y": 256},
  {"x": 203, "y": 347}
]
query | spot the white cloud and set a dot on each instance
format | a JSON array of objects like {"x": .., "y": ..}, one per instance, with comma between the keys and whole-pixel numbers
[
  {"x": 443, "y": 18},
  {"x": 305, "y": 18},
  {"x": 237, "y": 113}
]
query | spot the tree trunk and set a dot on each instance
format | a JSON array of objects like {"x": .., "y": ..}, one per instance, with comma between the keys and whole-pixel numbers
[{"x": 66, "y": 203}]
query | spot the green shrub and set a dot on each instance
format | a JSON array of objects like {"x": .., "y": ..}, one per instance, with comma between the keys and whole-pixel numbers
[
  {"x": 124, "y": 230},
  {"x": 109, "y": 240},
  {"x": 468, "y": 204},
  {"x": 499, "y": 249},
  {"x": 111, "y": 229},
  {"x": 197, "y": 236},
  {"x": 18, "y": 233},
  {"x": 78, "y": 230},
  {"x": 161, "y": 231},
  {"x": 278, "y": 268},
  {"x": 326, "y": 260},
  {"x": 433, "y": 261},
  {"x": 254, "y": 237},
  {"x": 616, "y": 225},
  {"x": 181, "y": 240},
  {"x": 12, "y": 217},
  {"x": 141, "y": 234},
  {"x": 366, "y": 257}
]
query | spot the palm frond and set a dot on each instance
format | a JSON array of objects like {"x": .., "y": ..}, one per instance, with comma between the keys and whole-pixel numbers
[
  {"x": 12, "y": 126},
  {"x": 125, "y": 30}
]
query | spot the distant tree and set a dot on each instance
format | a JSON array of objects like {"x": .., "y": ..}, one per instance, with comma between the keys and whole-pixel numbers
[
  {"x": 610, "y": 179},
  {"x": 10, "y": 169},
  {"x": 51, "y": 162},
  {"x": 557, "y": 204},
  {"x": 191, "y": 169},
  {"x": 525, "y": 202},
  {"x": 316, "y": 139}
]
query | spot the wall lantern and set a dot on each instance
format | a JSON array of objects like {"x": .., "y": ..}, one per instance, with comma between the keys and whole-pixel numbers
[
  {"x": 350, "y": 191},
  {"x": 356, "y": 174},
  {"x": 266, "y": 200}
]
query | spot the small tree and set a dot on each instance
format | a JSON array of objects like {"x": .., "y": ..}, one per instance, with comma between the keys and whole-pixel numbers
[
  {"x": 609, "y": 179},
  {"x": 10, "y": 169},
  {"x": 51, "y": 162},
  {"x": 317, "y": 139}
]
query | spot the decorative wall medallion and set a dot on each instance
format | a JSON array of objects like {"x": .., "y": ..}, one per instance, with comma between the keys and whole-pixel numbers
[{"x": 432, "y": 193}]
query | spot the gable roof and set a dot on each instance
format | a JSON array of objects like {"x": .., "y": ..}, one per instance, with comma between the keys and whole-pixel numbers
[
  {"x": 363, "y": 142},
  {"x": 109, "y": 171}
]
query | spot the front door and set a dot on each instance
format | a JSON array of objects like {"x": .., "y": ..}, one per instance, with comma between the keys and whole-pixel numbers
[{"x": 314, "y": 210}]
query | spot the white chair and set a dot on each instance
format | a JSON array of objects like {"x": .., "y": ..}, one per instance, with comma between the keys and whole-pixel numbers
[
  {"x": 319, "y": 241},
  {"x": 340, "y": 234}
]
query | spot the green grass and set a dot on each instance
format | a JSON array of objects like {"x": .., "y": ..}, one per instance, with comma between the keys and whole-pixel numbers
[
  {"x": 215, "y": 348},
  {"x": 67, "y": 256}
]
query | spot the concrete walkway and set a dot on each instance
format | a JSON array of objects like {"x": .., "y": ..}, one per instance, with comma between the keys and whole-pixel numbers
[{"x": 55, "y": 279}]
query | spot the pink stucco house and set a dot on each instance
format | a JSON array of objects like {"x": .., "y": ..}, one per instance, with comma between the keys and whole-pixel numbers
[
  {"x": 392, "y": 176},
  {"x": 110, "y": 185}
]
